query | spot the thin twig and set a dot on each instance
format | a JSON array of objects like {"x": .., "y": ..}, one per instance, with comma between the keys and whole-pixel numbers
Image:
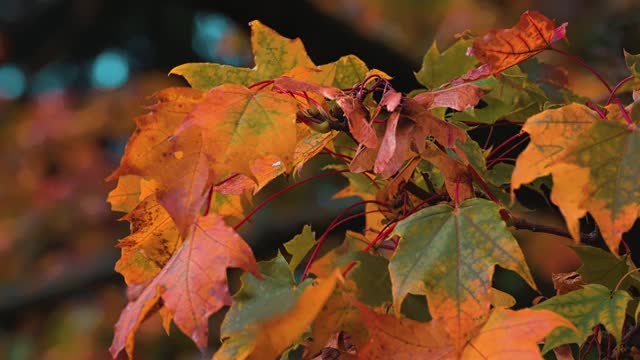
[
  {"x": 613, "y": 92},
  {"x": 522, "y": 224}
]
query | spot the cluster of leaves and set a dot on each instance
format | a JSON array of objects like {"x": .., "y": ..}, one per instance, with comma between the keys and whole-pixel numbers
[{"x": 438, "y": 207}]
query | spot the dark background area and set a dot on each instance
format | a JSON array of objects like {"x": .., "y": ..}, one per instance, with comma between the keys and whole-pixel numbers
[{"x": 74, "y": 74}]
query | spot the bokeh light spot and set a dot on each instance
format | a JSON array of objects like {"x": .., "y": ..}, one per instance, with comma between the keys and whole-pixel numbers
[
  {"x": 12, "y": 82},
  {"x": 209, "y": 29},
  {"x": 110, "y": 70}
]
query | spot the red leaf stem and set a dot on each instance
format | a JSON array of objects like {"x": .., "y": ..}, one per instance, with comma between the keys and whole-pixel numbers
[
  {"x": 207, "y": 205},
  {"x": 613, "y": 92},
  {"x": 276, "y": 194},
  {"x": 324, "y": 235},
  {"x": 483, "y": 185},
  {"x": 504, "y": 143},
  {"x": 595, "y": 108},
  {"x": 499, "y": 158}
]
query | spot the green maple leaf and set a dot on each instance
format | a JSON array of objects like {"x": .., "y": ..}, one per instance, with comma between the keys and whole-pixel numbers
[
  {"x": 553, "y": 80},
  {"x": 438, "y": 68},
  {"x": 274, "y": 56},
  {"x": 592, "y": 305},
  {"x": 299, "y": 246},
  {"x": 268, "y": 316},
  {"x": 450, "y": 255},
  {"x": 373, "y": 284},
  {"x": 633, "y": 62},
  {"x": 511, "y": 96},
  {"x": 604, "y": 268}
]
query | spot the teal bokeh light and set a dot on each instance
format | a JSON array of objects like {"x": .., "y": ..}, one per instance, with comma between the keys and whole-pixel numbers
[
  {"x": 12, "y": 81},
  {"x": 110, "y": 70},
  {"x": 208, "y": 30}
]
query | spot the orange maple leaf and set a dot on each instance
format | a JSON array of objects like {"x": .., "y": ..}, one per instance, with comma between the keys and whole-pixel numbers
[
  {"x": 177, "y": 164},
  {"x": 154, "y": 239},
  {"x": 506, "y": 334},
  {"x": 592, "y": 164},
  {"x": 239, "y": 126},
  {"x": 504, "y": 48},
  {"x": 191, "y": 286}
]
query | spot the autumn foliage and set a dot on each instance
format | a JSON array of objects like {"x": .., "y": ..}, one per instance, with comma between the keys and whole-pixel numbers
[{"x": 439, "y": 207}]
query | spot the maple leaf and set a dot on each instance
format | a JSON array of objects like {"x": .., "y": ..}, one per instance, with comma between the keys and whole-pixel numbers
[
  {"x": 438, "y": 68},
  {"x": 359, "y": 123},
  {"x": 501, "y": 299},
  {"x": 389, "y": 193},
  {"x": 389, "y": 154},
  {"x": 604, "y": 268},
  {"x": 177, "y": 165},
  {"x": 264, "y": 170},
  {"x": 406, "y": 129},
  {"x": 273, "y": 55},
  {"x": 154, "y": 239},
  {"x": 269, "y": 315},
  {"x": 232, "y": 116},
  {"x": 335, "y": 258},
  {"x": 504, "y": 48},
  {"x": 464, "y": 245},
  {"x": 632, "y": 62},
  {"x": 126, "y": 195},
  {"x": 587, "y": 307},
  {"x": 566, "y": 282},
  {"x": 513, "y": 95},
  {"x": 309, "y": 145},
  {"x": 368, "y": 278},
  {"x": 230, "y": 206},
  {"x": 456, "y": 177},
  {"x": 191, "y": 286},
  {"x": 590, "y": 161},
  {"x": 388, "y": 160},
  {"x": 339, "y": 314},
  {"x": 552, "y": 79},
  {"x": 299, "y": 246},
  {"x": 510, "y": 333},
  {"x": 444, "y": 133},
  {"x": 341, "y": 74},
  {"x": 505, "y": 333},
  {"x": 401, "y": 338},
  {"x": 459, "y": 97}
]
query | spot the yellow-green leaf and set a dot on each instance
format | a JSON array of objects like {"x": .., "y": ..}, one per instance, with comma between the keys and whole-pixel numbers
[
  {"x": 450, "y": 255},
  {"x": 269, "y": 315},
  {"x": 604, "y": 268},
  {"x": 593, "y": 165},
  {"x": 438, "y": 68},
  {"x": 299, "y": 246},
  {"x": 273, "y": 55},
  {"x": 239, "y": 126},
  {"x": 592, "y": 305}
]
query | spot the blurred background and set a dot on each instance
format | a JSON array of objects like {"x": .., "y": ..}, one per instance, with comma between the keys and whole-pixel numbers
[{"x": 74, "y": 74}]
